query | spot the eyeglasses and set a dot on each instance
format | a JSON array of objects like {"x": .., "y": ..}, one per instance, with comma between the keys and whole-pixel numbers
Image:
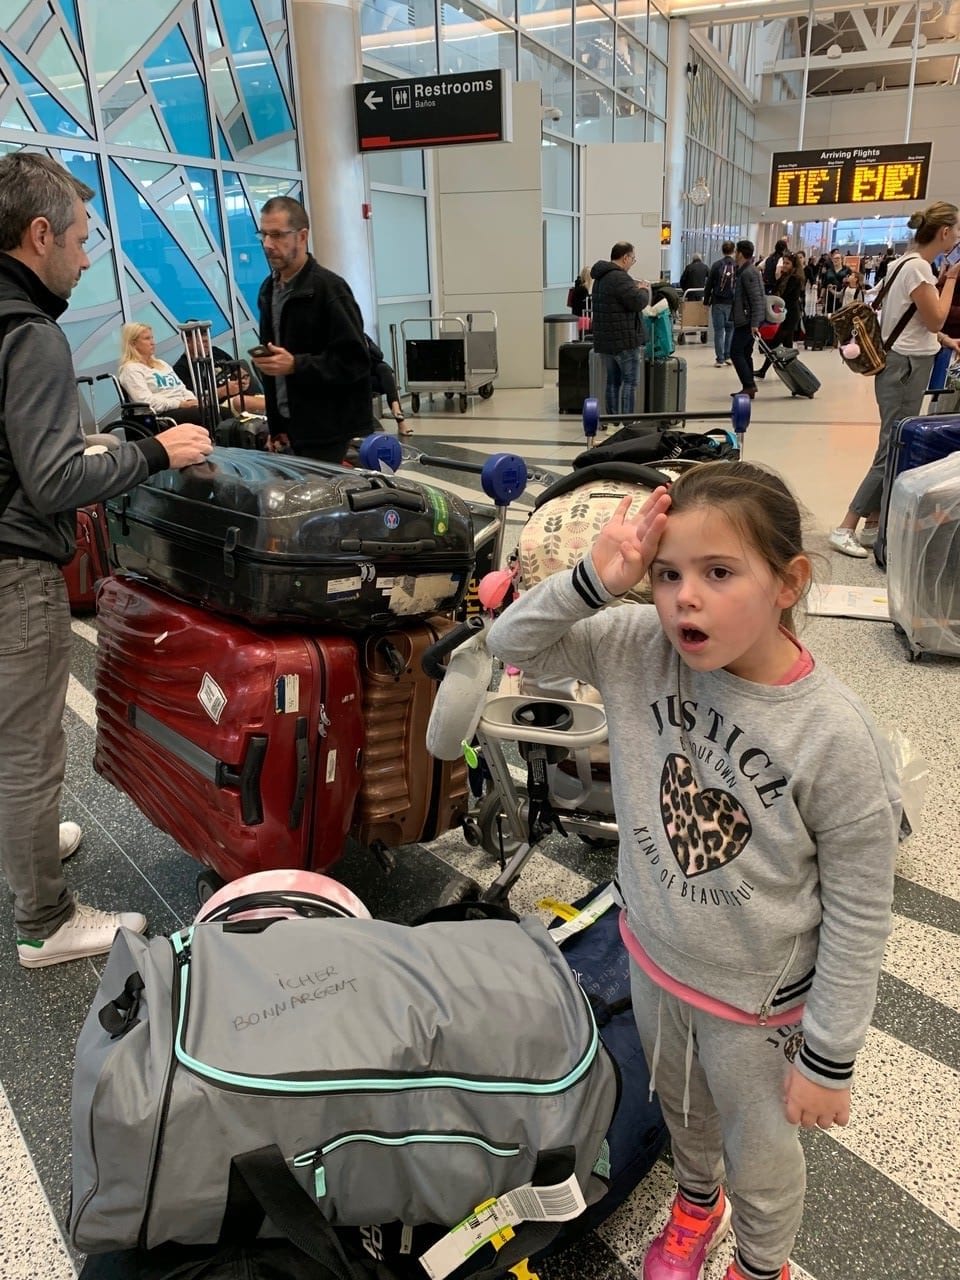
[{"x": 274, "y": 235}]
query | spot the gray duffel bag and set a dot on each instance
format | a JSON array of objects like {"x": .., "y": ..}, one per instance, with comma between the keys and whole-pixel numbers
[{"x": 402, "y": 1074}]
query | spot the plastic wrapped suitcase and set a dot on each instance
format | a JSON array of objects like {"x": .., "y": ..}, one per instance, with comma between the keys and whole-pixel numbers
[
  {"x": 280, "y": 539},
  {"x": 245, "y": 746},
  {"x": 666, "y": 385},
  {"x": 923, "y": 553},
  {"x": 406, "y": 794},
  {"x": 915, "y": 442},
  {"x": 573, "y": 376},
  {"x": 791, "y": 370}
]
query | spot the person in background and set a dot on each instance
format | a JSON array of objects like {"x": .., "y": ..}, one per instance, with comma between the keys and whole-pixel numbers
[
  {"x": 146, "y": 379},
  {"x": 579, "y": 292},
  {"x": 45, "y": 474},
  {"x": 718, "y": 296},
  {"x": 384, "y": 383},
  {"x": 950, "y": 329},
  {"x": 749, "y": 311},
  {"x": 618, "y": 332},
  {"x": 852, "y": 289},
  {"x": 790, "y": 288},
  {"x": 694, "y": 274},
  {"x": 773, "y": 267},
  {"x": 881, "y": 271},
  {"x": 235, "y": 391},
  {"x": 900, "y": 385},
  {"x": 758, "y": 809},
  {"x": 316, "y": 373},
  {"x": 831, "y": 283}
]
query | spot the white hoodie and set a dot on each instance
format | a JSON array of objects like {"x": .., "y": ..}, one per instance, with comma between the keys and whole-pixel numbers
[{"x": 158, "y": 387}]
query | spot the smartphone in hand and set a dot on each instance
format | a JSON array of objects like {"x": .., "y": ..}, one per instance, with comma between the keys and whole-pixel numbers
[
  {"x": 953, "y": 256},
  {"x": 258, "y": 353}
]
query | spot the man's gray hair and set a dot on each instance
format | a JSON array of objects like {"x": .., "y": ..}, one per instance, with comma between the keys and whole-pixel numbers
[{"x": 34, "y": 186}]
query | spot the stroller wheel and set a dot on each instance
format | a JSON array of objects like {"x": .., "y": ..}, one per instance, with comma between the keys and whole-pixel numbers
[
  {"x": 459, "y": 889},
  {"x": 208, "y": 882},
  {"x": 490, "y": 828},
  {"x": 471, "y": 832}
]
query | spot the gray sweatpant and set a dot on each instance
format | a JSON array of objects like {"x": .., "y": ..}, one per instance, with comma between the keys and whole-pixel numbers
[
  {"x": 899, "y": 389},
  {"x": 735, "y": 1115}
]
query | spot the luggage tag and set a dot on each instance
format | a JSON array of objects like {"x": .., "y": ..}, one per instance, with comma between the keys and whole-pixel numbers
[
  {"x": 493, "y": 1222},
  {"x": 590, "y": 913}
]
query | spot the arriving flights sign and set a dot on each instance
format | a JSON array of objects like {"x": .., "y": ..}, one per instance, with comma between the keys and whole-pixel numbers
[
  {"x": 433, "y": 111},
  {"x": 849, "y": 175}
]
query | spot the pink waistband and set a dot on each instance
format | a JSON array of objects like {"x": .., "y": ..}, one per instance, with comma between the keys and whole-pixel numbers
[{"x": 719, "y": 1008}]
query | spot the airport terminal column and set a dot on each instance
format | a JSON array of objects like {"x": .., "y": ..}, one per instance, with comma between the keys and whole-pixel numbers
[
  {"x": 676, "y": 139},
  {"x": 328, "y": 64}
]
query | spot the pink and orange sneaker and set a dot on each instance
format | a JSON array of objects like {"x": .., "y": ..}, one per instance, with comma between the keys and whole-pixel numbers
[
  {"x": 734, "y": 1273},
  {"x": 682, "y": 1247}
]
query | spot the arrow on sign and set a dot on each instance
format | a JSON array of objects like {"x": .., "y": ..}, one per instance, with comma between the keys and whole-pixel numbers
[{"x": 372, "y": 99}]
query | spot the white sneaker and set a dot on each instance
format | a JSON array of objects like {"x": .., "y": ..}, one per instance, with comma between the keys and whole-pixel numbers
[
  {"x": 845, "y": 541},
  {"x": 70, "y": 836},
  {"x": 88, "y": 932},
  {"x": 867, "y": 536}
]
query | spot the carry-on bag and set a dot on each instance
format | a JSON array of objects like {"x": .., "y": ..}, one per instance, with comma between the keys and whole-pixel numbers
[
  {"x": 281, "y": 539},
  {"x": 666, "y": 385},
  {"x": 91, "y": 560},
  {"x": 573, "y": 375},
  {"x": 791, "y": 370},
  {"x": 818, "y": 333},
  {"x": 923, "y": 556},
  {"x": 913, "y": 443},
  {"x": 406, "y": 795},
  {"x": 244, "y": 746},
  {"x": 384, "y": 1072}
]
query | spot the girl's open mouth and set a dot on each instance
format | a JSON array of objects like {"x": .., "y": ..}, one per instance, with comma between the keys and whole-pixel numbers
[{"x": 692, "y": 637}]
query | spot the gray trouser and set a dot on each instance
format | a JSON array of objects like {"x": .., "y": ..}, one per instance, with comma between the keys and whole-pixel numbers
[
  {"x": 35, "y": 646},
  {"x": 735, "y": 1116},
  {"x": 899, "y": 389}
]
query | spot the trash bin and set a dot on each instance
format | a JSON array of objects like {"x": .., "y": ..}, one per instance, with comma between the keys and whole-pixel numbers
[{"x": 557, "y": 330}]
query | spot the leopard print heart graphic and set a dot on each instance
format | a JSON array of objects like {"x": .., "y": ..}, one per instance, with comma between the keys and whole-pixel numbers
[{"x": 706, "y": 829}]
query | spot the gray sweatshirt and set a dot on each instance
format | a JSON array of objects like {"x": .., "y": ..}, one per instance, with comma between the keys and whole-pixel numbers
[{"x": 758, "y": 823}]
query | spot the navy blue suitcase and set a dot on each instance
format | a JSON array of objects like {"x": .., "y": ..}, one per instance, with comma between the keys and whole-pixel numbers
[{"x": 915, "y": 442}]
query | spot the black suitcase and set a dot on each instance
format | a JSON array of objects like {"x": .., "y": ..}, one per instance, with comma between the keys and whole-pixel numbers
[
  {"x": 666, "y": 385},
  {"x": 573, "y": 376},
  {"x": 279, "y": 539},
  {"x": 818, "y": 333},
  {"x": 791, "y": 370}
]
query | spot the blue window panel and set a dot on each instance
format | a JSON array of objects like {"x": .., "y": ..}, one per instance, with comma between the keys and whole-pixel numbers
[
  {"x": 179, "y": 91},
  {"x": 60, "y": 67},
  {"x": 258, "y": 81},
  {"x": 204, "y": 185},
  {"x": 53, "y": 117},
  {"x": 98, "y": 285},
  {"x": 86, "y": 168},
  {"x": 239, "y": 135},
  {"x": 10, "y": 11},
  {"x": 16, "y": 118},
  {"x": 161, "y": 262},
  {"x": 226, "y": 151},
  {"x": 249, "y": 264},
  {"x": 69, "y": 10}
]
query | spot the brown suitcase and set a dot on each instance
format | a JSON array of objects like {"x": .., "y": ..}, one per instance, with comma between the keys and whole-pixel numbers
[{"x": 406, "y": 795}]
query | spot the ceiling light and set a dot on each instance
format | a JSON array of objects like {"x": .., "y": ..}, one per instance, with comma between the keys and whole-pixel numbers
[{"x": 834, "y": 52}]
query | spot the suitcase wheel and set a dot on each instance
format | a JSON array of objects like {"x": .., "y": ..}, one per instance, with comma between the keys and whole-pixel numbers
[{"x": 414, "y": 403}]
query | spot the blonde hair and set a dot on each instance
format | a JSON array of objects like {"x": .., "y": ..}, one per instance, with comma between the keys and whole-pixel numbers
[
  {"x": 925, "y": 223},
  {"x": 129, "y": 334}
]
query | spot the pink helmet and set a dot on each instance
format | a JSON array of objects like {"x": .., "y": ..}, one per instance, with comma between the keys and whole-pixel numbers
[{"x": 271, "y": 894}]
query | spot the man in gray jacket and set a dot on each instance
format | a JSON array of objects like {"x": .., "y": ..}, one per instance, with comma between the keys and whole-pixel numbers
[
  {"x": 44, "y": 476},
  {"x": 749, "y": 310},
  {"x": 618, "y": 333}
]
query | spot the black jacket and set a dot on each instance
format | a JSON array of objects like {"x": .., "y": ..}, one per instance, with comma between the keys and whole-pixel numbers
[
  {"x": 41, "y": 440},
  {"x": 329, "y": 393},
  {"x": 749, "y": 307},
  {"x": 617, "y": 303},
  {"x": 713, "y": 291},
  {"x": 694, "y": 276}
]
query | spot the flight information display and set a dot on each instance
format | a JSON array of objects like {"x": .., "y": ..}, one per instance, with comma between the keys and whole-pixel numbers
[{"x": 849, "y": 175}]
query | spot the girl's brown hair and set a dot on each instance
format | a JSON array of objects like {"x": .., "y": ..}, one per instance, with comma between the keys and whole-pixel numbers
[{"x": 757, "y": 503}]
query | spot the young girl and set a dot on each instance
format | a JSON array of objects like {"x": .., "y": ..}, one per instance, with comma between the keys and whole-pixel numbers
[
  {"x": 758, "y": 813},
  {"x": 852, "y": 289}
]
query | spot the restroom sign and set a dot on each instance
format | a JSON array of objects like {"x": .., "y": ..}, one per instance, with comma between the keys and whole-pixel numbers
[{"x": 433, "y": 111}]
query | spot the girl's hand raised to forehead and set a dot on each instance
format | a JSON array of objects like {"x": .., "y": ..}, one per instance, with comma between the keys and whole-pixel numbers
[{"x": 626, "y": 545}]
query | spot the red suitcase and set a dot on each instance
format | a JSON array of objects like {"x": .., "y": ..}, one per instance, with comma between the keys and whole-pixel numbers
[
  {"x": 406, "y": 794},
  {"x": 245, "y": 746},
  {"x": 90, "y": 562}
]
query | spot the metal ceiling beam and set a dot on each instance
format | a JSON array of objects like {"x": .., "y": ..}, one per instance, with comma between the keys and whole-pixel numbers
[
  {"x": 715, "y": 13},
  {"x": 866, "y": 58}
]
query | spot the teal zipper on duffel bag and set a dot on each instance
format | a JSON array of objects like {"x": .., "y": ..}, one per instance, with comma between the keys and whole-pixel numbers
[
  {"x": 314, "y": 1159},
  {"x": 382, "y": 1083}
]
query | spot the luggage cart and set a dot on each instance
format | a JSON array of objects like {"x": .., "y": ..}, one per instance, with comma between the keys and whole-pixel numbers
[
  {"x": 454, "y": 357},
  {"x": 694, "y": 316}
]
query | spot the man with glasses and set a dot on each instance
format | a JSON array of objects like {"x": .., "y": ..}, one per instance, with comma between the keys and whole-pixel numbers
[
  {"x": 316, "y": 370},
  {"x": 618, "y": 333}
]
